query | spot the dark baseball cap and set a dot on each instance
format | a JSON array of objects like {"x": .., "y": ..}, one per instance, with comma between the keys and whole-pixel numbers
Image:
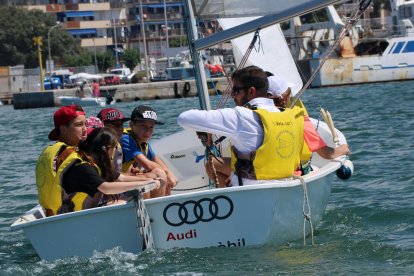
[
  {"x": 111, "y": 114},
  {"x": 145, "y": 113}
]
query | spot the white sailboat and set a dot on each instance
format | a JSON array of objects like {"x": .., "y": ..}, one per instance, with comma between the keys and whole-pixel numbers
[{"x": 197, "y": 216}]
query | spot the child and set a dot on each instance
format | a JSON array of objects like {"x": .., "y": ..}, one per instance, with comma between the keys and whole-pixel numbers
[{"x": 139, "y": 153}]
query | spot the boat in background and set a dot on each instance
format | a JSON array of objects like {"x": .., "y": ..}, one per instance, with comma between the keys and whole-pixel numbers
[
  {"x": 84, "y": 95},
  {"x": 197, "y": 215},
  {"x": 378, "y": 51},
  {"x": 88, "y": 101}
]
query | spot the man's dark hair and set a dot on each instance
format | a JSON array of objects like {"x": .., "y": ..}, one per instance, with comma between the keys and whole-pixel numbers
[{"x": 252, "y": 76}]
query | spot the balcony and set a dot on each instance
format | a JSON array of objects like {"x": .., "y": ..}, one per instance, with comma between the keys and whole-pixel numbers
[
  {"x": 154, "y": 35},
  {"x": 95, "y": 7},
  {"x": 99, "y": 24},
  {"x": 96, "y": 42}
]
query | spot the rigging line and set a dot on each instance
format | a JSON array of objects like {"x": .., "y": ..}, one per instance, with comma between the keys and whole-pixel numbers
[
  {"x": 348, "y": 25},
  {"x": 211, "y": 80},
  {"x": 241, "y": 65},
  {"x": 306, "y": 211}
]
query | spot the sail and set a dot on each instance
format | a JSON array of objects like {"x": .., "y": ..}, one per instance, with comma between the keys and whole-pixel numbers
[
  {"x": 213, "y": 9},
  {"x": 273, "y": 56}
]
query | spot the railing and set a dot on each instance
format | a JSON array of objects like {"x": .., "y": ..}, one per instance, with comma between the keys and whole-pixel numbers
[
  {"x": 157, "y": 35},
  {"x": 158, "y": 17}
]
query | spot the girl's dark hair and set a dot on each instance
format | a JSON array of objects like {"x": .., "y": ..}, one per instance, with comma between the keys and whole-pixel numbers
[{"x": 96, "y": 146}]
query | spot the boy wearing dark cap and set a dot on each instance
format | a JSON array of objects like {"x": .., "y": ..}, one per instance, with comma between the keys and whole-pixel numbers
[
  {"x": 69, "y": 130},
  {"x": 139, "y": 153}
]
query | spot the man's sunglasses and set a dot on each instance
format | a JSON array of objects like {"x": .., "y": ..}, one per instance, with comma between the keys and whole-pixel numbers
[{"x": 236, "y": 90}]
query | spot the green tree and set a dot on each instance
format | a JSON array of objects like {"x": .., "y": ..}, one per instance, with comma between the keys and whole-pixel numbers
[
  {"x": 178, "y": 42},
  {"x": 82, "y": 59},
  {"x": 105, "y": 60},
  {"x": 131, "y": 58},
  {"x": 19, "y": 26}
]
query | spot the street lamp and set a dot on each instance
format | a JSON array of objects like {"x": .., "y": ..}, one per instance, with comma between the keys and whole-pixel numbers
[{"x": 48, "y": 44}]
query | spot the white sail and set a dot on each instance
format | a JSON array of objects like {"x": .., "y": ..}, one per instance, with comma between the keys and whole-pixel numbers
[{"x": 273, "y": 56}]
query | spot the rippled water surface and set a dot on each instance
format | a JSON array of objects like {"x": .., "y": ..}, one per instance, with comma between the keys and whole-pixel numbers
[{"x": 368, "y": 227}]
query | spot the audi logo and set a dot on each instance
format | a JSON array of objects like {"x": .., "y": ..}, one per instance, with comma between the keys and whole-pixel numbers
[{"x": 191, "y": 211}]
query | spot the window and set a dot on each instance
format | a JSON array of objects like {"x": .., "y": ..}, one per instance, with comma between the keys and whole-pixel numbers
[
  {"x": 398, "y": 48},
  {"x": 409, "y": 47}
]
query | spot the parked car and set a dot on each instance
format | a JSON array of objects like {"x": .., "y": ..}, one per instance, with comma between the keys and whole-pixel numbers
[
  {"x": 50, "y": 83},
  {"x": 110, "y": 80},
  {"x": 122, "y": 73}
]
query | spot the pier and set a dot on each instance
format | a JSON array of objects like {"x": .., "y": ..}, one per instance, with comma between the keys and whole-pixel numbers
[{"x": 120, "y": 93}]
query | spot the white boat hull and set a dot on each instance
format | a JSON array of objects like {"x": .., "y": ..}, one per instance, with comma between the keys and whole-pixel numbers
[
  {"x": 219, "y": 217},
  {"x": 66, "y": 100}
]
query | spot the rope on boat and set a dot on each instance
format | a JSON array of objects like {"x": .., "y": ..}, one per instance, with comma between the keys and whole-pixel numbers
[
  {"x": 210, "y": 156},
  {"x": 349, "y": 23},
  {"x": 328, "y": 120},
  {"x": 306, "y": 210},
  {"x": 227, "y": 93}
]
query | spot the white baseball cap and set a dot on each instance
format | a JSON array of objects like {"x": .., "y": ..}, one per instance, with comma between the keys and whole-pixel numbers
[{"x": 277, "y": 86}]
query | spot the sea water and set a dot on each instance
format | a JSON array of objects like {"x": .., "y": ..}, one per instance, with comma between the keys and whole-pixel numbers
[{"x": 368, "y": 227}]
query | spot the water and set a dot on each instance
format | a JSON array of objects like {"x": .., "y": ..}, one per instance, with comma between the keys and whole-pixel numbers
[{"x": 368, "y": 227}]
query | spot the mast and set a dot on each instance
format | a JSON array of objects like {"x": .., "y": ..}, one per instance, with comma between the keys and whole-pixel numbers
[
  {"x": 141, "y": 13},
  {"x": 200, "y": 75}
]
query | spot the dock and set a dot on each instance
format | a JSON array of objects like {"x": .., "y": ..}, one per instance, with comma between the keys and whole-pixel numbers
[{"x": 120, "y": 93}]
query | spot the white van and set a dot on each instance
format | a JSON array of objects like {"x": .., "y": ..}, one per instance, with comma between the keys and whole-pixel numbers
[{"x": 122, "y": 73}]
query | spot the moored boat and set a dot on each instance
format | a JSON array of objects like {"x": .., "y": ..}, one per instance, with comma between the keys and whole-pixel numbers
[
  {"x": 88, "y": 101},
  {"x": 379, "y": 51}
]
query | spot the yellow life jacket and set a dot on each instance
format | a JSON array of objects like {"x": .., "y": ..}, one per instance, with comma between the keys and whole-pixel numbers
[
  {"x": 278, "y": 156},
  {"x": 127, "y": 164},
  {"x": 79, "y": 200},
  {"x": 50, "y": 194},
  {"x": 300, "y": 105},
  {"x": 305, "y": 153},
  {"x": 48, "y": 183}
]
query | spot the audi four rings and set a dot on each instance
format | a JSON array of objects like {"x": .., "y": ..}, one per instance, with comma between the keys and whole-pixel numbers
[{"x": 191, "y": 211}]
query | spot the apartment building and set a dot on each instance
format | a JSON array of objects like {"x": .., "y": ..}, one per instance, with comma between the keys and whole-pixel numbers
[{"x": 116, "y": 24}]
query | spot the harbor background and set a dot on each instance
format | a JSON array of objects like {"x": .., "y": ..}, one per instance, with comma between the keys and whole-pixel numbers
[{"x": 368, "y": 227}]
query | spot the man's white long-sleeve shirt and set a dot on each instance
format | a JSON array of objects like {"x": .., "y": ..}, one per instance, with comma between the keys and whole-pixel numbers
[{"x": 241, "y": 125}]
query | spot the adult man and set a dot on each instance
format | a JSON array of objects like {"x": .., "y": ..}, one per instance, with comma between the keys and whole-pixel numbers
[
  {"x": 69, "y": 130},
  {"x": 279, "y": 90},
  {"x": 256, "y": 156}
]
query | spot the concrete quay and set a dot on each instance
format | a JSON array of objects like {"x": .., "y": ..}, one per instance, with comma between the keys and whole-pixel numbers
[{"x": 121, "y": 93}]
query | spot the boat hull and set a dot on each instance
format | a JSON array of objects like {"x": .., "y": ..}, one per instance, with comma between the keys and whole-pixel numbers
[{"x": 238, "y": 216}]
